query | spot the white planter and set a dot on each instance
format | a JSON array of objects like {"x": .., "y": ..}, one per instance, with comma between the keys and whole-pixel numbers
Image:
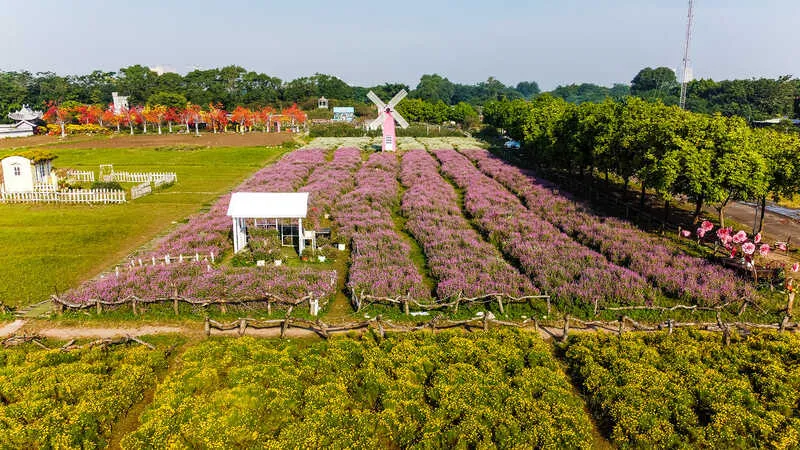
[
  {"x": 278, "y": 262},
  {"x": 321, "y": 258},
  {"x": 340, "y": 247}
]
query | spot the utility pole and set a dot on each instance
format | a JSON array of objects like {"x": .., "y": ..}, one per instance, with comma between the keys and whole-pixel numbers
[{"x": 685, "y": 74}]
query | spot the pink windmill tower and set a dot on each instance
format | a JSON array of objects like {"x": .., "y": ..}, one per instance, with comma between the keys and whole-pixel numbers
[{"x": 387, "y": 115}]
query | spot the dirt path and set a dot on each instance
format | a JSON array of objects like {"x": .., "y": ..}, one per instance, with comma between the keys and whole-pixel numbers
[
  {"x": 196, "y": 331},
  {"x": 11, "y": 328},
  {"x": 150, "y": 140},
  {"x": 777, "y": 227}
]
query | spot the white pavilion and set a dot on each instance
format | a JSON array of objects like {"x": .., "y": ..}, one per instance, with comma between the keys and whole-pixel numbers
[
  {"x": 26, "y": 121},
  {"x": 283, "y": 211}
]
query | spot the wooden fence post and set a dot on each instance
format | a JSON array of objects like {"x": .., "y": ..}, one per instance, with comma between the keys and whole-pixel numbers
[
  {"x": 242, "y": 326},
  {"x": 485, "y": 322},
  {"x": 207, "y": 326},
  {"x": 566, "y": 329},
  {"x": 670, "y": 325},
  {"x": 175, "y": 301},
  {"x": 621, "y": 326},
  {"x": 98, "y": 306},
  {"x": 133, "y": 306},
  {"x": 500, "y": 304},
  {"x": 405, "y": 306},
  {"x": 381, "y": 331}
]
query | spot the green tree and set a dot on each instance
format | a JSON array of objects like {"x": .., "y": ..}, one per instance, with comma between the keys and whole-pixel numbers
[
  {"x": 433, "y": 88},
  {"x": 136, "y": 82},
  {"x": 528, "y": 89},
  {"x": 168, "y": 99},
  {"x": 660, "y": 79}
]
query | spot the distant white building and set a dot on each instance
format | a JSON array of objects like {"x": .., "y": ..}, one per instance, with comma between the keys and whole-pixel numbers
[
  {"x": 344, "y": 113},
  {"x": 26, "y": 121},
  {"x": 21, "y": 174},
  {"x": 120, "y": 102}
]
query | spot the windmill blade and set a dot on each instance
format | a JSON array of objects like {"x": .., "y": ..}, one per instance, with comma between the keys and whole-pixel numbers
[
  {"x": 400, "y": 121},
  {"x": 375, "y": 99},
  {"x": 397, "y": 98},
  {"x": 375, "y": 124}
]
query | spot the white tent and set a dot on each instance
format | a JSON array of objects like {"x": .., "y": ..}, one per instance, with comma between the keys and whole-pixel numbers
[{"x": 278, "y": 206}]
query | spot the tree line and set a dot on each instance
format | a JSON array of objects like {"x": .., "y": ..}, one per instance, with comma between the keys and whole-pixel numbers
[
  {"x": 232, "y": 86},
  {"x": 710, "y": 159},
  {"x": 755, "y": 99}
]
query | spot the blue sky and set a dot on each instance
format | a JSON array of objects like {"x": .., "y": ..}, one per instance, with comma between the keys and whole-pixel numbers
[{"x": 366, "y": 43}]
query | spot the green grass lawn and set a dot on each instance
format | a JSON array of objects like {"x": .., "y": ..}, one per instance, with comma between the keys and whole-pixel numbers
[{"x": 49, "y": 247}]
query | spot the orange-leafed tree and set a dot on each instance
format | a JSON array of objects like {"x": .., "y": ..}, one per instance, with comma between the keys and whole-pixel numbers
[
  {"x": 58, "y": 114},
  {"x": 263, "y": 116},
  {"x": 295, "y": 114},
  {"x": 243, "y": 116},
  {"x": 108, "y": 117},
  {"x": 218, "y": 117},
  {"x": 155, "y": 114}
]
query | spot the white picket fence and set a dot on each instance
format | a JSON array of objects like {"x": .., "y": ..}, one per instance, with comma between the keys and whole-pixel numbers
[
  {"x": 44, "y": 187},
  {"x": 71, "y": 196},
  {"x": 80, "y": 175},
  {"x": 142, "y": 177},
  {"x": 140, "y": 190}
]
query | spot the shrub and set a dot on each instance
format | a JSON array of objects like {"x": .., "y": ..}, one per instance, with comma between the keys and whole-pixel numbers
[{"x": 111, "y": 185}]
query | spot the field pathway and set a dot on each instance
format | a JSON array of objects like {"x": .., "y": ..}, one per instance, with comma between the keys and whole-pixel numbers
[
  {"x": 54, "y": 331},
  {"x": 11, "y": 328}
]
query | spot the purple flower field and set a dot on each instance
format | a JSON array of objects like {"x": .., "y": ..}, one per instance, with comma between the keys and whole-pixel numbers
[
  {"x": 558, "y": 265},
  {"x": 544, "y": 243},
  {"x": 458, "y": 257},
  {"x": 677, "y": 275},
  {"x": 381, "y": 265},
  {"x": 210, "y": 232}
]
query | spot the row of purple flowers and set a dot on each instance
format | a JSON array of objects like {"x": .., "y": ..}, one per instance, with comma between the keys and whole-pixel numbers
[
  {"x": 457, "y": 256},
  {"x": 329, "y": 183},
  {"x": 380, "y": 261},
  {"x": 570, "y": 272},
  {"x": 676, "y": 274},
  {"x": 199, "y": 281}
]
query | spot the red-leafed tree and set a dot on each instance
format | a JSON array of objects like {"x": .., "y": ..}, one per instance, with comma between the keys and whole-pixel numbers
[
  {"x": 172, "y": 115},
  {"x": 58, "y": 114},
  {"x": 192, "y": 115},
  {"x": 108, "y": 117}
]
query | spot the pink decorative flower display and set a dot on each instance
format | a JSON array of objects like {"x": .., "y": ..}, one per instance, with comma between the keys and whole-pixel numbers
[
  {"x": 740, "y": 237},
  {"x": 795, "y": 267},
  {"x": 707, "y": 225},
  {"x": 764, "y": 249},
  {"x": 748, "y": 248},
  {"x": 757, "y": 238},
  {"x": 687, "y": 233}
]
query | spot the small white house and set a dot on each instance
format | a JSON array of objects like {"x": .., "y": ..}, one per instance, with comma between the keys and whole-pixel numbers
[
  {"x": 283, "y": 211},
  {"x": 26, "y": 121},
  {"x": 21, "y": 174}
]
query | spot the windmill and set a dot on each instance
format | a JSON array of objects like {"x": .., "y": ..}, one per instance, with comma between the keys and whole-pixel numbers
[{"x": 386, "y": 117}]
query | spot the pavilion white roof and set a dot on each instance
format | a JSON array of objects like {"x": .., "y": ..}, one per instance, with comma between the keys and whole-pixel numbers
[{"x": 268, "y": 205}]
